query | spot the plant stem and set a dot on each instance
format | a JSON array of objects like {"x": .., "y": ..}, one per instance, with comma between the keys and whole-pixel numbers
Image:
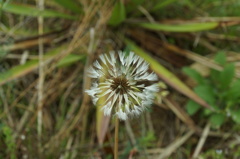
[{"x": 116, "y": 138}]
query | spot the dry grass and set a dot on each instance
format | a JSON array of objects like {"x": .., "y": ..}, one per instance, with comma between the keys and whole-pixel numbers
[{"x": 44, "y": 112}]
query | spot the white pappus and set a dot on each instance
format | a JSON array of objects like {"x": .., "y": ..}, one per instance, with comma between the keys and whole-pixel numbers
[{"x": 122, "y": 84}]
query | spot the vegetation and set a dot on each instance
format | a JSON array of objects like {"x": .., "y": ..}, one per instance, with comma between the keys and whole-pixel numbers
[{"x": 46, "y": 47}]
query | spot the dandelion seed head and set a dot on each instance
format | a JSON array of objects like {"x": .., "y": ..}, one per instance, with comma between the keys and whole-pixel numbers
[{"x": 123, "y": 86}]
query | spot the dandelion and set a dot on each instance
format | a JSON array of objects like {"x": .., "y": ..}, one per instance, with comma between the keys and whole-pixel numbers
[{"x": 123, "y": 83}]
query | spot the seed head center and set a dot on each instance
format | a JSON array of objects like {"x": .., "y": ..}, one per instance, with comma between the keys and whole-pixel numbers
[{"x": 120, "y": 84}]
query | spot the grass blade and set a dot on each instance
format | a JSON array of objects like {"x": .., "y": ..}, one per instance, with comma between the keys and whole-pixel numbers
[
  {"x": 189, "y": 27},
  {"x": 162, "y": 4},
  {"x": 69, "y": 60},
  {"x": 118, "y": 14},
  {"x": 71, "y": 5},
  {"x": 18, "y": 71},
  {"x": 28, "y": 10},
  {"x": 21, "y": 70}
]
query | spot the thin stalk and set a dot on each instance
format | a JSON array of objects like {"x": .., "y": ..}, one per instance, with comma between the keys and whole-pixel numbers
[
  {"x": 116, "y": 138},
  {"x": 40, "y": 4}
]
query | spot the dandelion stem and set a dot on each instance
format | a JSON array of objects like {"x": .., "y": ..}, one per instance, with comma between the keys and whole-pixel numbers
[{"x": 116, "y": 138}]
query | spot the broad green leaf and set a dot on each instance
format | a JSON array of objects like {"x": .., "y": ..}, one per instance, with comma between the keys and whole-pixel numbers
[
  {"x": 28, "y": 10},
  {"x": 21, "y": 70},
  {"x": 162, "y": 4},
  {"x": 227, "y": 75},
  {"x": 233, "y": 92},
  {"x": 207, "y": 112},
  {"x": 71, "y": 5},
  {"x": 192, "y": 107},
  {"x": 166, "y": 75},
  {"x": 118, "y": 14},
  {"x": 217, "y": 119},
  {"x": 193, "y": 74},
  {"x": 220, "y": 58},
  {"x": 215, "y": 76},
  {"x": 69, "y": 60},
  {"x": 206, "y": 93},
  {"x": 189, "y": 27},
  {"x": 236, "y": 116}
]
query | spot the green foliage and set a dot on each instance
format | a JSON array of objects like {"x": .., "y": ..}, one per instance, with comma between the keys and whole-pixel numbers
[
  {"x": 236, "y": 116},
  {"x": 132, "y": 5},
  {"x": 189, "y": 27},
  {"x": 142, "y": 143},
  {"x": 206, "y": 92},
  {"x": 9, "y": 141},
  {"x": 70, "y": 5},
  {"x": 217, "y": 119},
  {"x": 220, "y": 90},
  {"x": 69, "y": 60},
  {"x": 162, "y": 4},
  {"x": 220, "y": 58},
  {"x": 118, "y": 14},
  {"x": 233, "y": 92},
  {"x": 21, "y": 9},
  {"x": 214, "y": 7},
  {"x": 192, "y": 107},
  {"x": 147, "y": 140},
  {"x": 194, "y": 74},
  {"x": 21, "y": 70},
  {"x": 235, "y": 149},
  {"x": 226, "y": 76},
  {"x": 217, "y": 154}
]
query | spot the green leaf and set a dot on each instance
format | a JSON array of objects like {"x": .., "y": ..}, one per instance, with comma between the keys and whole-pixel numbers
[
  {"x": 190, "y": 27},
  {"x": 194, "y": 74},
  {"x": 192, "y": 107},
  {"x": 233, "y": 93},
  {"x": 217, "y": 119},
  {"x": 71, "y": 5},
  {"x": 227, "y": 75},
  {"x": 215, "y": 76},
  {"x": 236, "y": 116},
  {"x": 207, "y": 112},
  {"x": 69, "y": 60},
  {"x": 148, "y": 139},
  {"x": 28, "y": 10},
  {"x": 206, "y": 93},
  {"x": 118, "y": 14},
  {"x": 162, "y": 4},
  {"x": 131, "y": 5},
  {"x": 165, "y": 74},
  {"x": 220, "y": 58}
]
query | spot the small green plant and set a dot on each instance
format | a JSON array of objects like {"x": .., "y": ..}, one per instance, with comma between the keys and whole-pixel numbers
[
  {"x": 217, "y": 154},
  {"x": 9, "y": 141},
  {"x": 147, "y": 140},
  {"x": 220, "y": 90},
  {"x": 142, "y": 143}
]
